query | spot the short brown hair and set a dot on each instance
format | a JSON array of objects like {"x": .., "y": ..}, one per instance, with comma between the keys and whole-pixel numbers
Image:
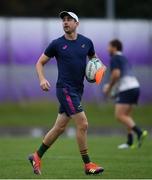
[{"x": 117, "y": 44}]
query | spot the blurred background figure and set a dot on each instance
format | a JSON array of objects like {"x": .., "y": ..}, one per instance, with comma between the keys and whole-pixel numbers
[{"x": 124, "y": 87}]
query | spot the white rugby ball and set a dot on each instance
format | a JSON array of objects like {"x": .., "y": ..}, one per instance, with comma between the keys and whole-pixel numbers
[{"x": 92, "y": 67}]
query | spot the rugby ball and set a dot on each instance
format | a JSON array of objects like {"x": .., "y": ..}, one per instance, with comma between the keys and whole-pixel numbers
[{"x": 94, "y": 68}]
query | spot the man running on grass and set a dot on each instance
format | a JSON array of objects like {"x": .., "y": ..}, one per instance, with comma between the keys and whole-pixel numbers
[
  {"x": 71, "y": 51},
  {"x": 125, "y": 89}
]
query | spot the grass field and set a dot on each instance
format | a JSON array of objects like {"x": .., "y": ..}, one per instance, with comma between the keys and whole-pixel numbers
[
  {"x": 63, "y": 160},
  {"x": 44, "y": 114}
]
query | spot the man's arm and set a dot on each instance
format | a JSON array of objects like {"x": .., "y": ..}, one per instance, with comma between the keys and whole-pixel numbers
[
  {"x": 94, "y": 56},
  {"x": 44, "y": 84},
  {"x": 115, "y": 75}
]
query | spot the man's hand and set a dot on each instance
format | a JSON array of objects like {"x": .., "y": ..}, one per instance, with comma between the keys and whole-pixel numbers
[
  {"x": 45, "y": 85},
  {"x": 106, "y": 89}
]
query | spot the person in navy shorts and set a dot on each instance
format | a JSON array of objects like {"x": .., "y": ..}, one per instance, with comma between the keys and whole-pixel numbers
[
  {"x": 71, "y": 52},
  {"x": 124, "y": 87}
]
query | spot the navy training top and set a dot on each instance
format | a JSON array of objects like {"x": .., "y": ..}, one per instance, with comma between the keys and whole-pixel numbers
[
  {"x": 121, "y": 62},
  {"x": 71, "y": 56}
]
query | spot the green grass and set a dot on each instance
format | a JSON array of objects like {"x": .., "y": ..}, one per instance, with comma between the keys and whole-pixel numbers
[
  {"x": 63, "y": 160},
  {"x": 44, "y": 114}
]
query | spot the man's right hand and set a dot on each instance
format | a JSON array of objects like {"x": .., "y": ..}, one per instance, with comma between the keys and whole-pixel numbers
[{"x": 45, "y": 85}]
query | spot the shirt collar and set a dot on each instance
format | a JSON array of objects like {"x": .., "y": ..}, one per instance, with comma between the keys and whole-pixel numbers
[{"x": 118, "y": 53}]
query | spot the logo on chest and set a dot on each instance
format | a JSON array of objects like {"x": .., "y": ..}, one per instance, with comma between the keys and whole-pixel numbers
[
  {"x": 64, "y": 47},
  {"x": 83, "y": 46}
]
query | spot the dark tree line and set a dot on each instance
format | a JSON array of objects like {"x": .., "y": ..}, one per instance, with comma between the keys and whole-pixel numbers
[{"x": 85, "y": 8}]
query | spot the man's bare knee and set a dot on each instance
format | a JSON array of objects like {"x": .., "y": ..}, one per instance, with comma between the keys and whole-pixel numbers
[
  {"x": 83, "y": 126},
  {"x": 59, "y": 129},
  {"x": 121, "y": 112},
  {"x": 119, "y": 116},
  {"x": 81, "y": 121},
  {"x": 61, "y": 123}
]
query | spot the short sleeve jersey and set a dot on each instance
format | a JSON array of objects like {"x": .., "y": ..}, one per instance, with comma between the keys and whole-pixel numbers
[
  {"x": 120, "y": 62},
  {"x": 71, "y": 56}
]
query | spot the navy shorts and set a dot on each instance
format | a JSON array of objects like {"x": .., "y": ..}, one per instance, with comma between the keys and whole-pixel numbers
[
  {"x": 130, "y": 96},
  {"x": 70, "y": 100}
]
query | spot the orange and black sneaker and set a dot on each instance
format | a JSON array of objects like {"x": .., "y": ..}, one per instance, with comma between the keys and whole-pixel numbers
[
  {"x": 36, "y": 163},
  {"x": 92, "y": 168}
]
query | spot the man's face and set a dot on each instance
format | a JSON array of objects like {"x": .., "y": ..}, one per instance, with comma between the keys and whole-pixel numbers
[
  {"x": 111, "y": 50},
  {"x": 69, "y": 24}
]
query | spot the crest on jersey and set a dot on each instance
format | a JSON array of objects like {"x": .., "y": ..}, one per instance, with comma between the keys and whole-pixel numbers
[
  {"x": 83, "y": 45},
  {"x": 64, "y": 47}
]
